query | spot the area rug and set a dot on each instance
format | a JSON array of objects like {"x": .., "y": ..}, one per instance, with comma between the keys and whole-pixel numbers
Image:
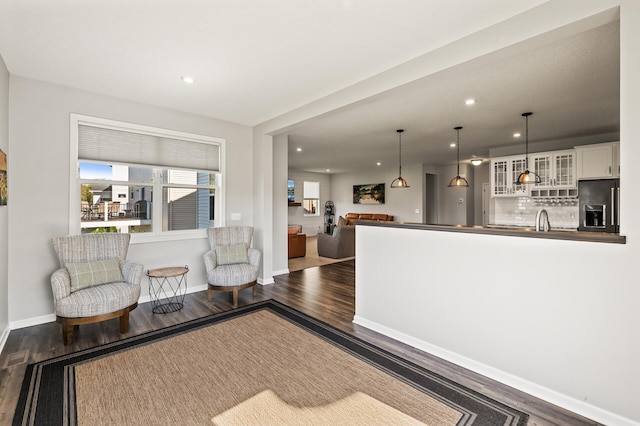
[{"x": 264, "y": 363}]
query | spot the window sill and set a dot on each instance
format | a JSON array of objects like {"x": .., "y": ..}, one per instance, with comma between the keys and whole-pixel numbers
[{"x": 144, "y": 238}]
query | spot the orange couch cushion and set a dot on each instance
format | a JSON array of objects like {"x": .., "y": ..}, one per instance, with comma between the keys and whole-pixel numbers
[{"x": 380, "y": 217}]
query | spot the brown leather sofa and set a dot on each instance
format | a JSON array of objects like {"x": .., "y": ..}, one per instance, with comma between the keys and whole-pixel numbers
[{"x": 377, "y": 217}]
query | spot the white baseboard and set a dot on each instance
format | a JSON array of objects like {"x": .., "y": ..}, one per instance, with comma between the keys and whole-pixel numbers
[
  {"x": 266, "y": 281},
  {"x": 580, "y": 407},
  {"x": 28, "y": 322},
  {"x": 281, "y": 272}
]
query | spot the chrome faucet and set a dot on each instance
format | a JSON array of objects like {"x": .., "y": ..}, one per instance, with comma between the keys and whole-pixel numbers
[{"x": 542, "y": 215}]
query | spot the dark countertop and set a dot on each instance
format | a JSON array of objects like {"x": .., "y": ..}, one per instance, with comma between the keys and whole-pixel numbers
[{"x": 567, "y": 235}]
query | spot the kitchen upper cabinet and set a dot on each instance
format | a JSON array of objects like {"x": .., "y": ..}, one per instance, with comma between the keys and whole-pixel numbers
[
  {"x": 556, "y": 169},
  {"x": 598, "y": 161},
  {"x": 504, "y": 172}
]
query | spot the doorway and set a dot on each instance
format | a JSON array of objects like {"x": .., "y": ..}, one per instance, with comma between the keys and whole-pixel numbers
[
  {"x": 486, "y": 203},
  {"x": 431, "y": 199}
]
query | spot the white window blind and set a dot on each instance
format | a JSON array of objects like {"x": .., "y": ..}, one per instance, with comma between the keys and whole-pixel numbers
[
  {"x": 102, "y": 144},
  {"x": 311, "y": 190}
]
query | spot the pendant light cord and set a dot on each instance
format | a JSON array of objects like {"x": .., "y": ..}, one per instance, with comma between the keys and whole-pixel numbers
[
  {"x": 400, "y": 151},
  {"x": 458, "y": 147},
  {"x": 526, "y": 139}
]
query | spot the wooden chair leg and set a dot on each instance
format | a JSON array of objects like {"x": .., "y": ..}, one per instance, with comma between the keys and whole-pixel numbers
[
  {"x": 235, "y": 297},
  {"x": 67, "y": 333},
  {"x": 255, "y": 290},
  {"x": 124, "y": 322},
  {"x": 209, "y": 293}
]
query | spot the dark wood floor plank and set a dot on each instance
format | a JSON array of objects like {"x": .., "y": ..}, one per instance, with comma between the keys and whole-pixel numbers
[{"x": 325, "y": 292}]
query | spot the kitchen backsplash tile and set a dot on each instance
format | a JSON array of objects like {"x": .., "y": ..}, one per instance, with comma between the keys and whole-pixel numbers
[{"x": 521, "y": 211}]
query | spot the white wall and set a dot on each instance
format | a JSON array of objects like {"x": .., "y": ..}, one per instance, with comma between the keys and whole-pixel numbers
[
  {"x": 559, "y": 323},
  {"x": 455, "y": 205},
  {"x": 39, "y": 161},
  {"x": 296, "y": 215},
  {"x": 399, "y": 202},
  {"x": 4, "y": 215}
]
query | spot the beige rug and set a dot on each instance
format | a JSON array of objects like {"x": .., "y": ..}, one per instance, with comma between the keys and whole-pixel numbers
[
  {"x": 312, "y": 259},
  {"x": 221, "y": 371}
]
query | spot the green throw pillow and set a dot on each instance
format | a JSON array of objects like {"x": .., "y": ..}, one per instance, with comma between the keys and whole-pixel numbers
[
  {"x": 235, "y": 253},
  {"x": 89, "y": 274}
]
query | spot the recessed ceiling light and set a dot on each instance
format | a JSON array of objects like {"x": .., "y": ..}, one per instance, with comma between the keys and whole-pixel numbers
[
  {"x": 378, "y": 163},
  {"x": 328, "y": 170},
  {"x": 187, "y": 79},
  {"x": 470, "y": 101},
  {"x": 452, "y": 144},
  {"x": 516, "y": 135},
  {"x": 299, "y": 149}
]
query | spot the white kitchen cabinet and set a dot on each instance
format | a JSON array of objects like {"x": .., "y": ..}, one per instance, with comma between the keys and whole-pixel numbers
[
  {"x": 556, "y": 169},
  {"x": 598, "y": 161},
  {"x": 504, "y": 172}
]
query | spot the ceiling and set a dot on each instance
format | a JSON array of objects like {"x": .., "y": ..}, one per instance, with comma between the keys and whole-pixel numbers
[
  {"x": 253, "y": 60},
  {"x": 572, "y": 86}
]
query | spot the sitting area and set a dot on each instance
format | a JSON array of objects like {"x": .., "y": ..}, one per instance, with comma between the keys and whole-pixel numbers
[
  {"x": 95, "y": 282},
  {"x": 342, "y": 240},
  {"x": 231, "y": 264}
]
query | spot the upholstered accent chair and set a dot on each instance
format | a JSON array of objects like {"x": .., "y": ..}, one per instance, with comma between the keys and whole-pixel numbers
[
  {"x": 231, "y": 264},
  {"x": 340, "y": 244},
  {"x": 95, "y": 282}
]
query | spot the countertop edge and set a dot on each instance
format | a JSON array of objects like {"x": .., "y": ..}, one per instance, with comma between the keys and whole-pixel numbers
[{"x": 594, "y": 237}]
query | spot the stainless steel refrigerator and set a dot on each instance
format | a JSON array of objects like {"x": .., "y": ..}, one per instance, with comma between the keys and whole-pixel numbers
[{"x": 599, "y": 205}]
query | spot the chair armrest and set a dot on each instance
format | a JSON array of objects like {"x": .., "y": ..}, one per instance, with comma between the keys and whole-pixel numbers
[
  {"x": 254, "y": 257},
  {"x": 60, "y": 284},
  {"x": 210, "y": 261},
  {"x": 132, "y": 272}
]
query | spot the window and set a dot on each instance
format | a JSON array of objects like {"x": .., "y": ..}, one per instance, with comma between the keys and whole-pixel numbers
[
  {"x": 145, "y": 181},
  {"x": 311, "y": 198}
]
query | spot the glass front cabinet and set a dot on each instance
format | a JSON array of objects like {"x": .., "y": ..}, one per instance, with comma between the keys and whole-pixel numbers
[
  {"x": 504, "y": 172},
  {"x": 556, "y": 169}
]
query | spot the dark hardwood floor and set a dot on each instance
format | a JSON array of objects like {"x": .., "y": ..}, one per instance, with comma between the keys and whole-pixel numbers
[{"x": 325, "y": 292}]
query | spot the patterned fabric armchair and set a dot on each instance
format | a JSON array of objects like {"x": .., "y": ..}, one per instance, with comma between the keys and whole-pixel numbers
[
  {"x": 231, "y": 264},
  {"x": 95, "y": 282}
]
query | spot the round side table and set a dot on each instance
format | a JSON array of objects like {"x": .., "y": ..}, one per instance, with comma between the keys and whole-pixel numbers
[{"x": 167, "y": 288}]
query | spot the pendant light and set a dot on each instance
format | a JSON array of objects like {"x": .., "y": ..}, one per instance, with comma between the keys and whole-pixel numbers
[
  {"x": 527, "y": 177},
  {"x": 458, "y": 181},
  {"x": 400, "y": 182}
]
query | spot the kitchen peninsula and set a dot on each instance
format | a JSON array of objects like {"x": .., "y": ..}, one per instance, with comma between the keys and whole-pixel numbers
[
  {"x": 512, "y": 231},
  {"x": 505, "y": 303}
]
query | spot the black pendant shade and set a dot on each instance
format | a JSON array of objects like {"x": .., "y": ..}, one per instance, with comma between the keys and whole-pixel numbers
[
  {"x": 458, "y": 181},
  {"x": 399, "y": 182},
  {"x": 527, "y": 176}
]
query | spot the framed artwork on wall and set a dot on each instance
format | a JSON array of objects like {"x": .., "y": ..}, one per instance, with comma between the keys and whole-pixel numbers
[
  {"x": 3, "y": 179},
  {"x": 291, "y": 190},
  {"x": 371, "y": 193}
]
